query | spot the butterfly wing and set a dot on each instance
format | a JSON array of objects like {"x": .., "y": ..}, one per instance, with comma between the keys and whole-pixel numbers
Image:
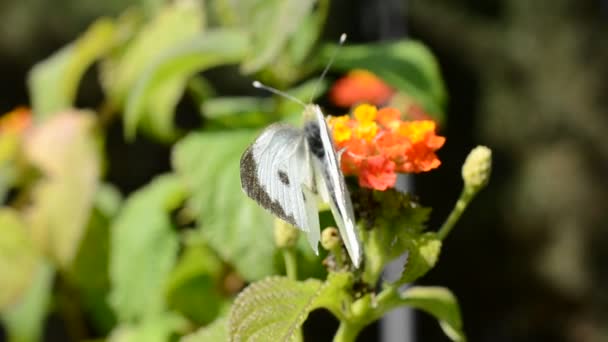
[
  {"x": 330, "y": 180},
  {"x": 276, "y": 171}
]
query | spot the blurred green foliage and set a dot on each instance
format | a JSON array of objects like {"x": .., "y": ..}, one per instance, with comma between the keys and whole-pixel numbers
[{"x": 171, "y": 256}]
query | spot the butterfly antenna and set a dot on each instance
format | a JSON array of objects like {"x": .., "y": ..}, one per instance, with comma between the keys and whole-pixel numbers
[
  {"x": 331, "y": 61},
  {"x": 260, "y": 85}
]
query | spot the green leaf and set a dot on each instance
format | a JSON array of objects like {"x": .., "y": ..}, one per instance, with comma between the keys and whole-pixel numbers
[
  {"x": 65, "y": 149},
  {"x": 307, "y": 34},
  {"x": 53, "y": 83},
  {"x": 24, "y": 321},
  {"x": 144, "y": 248},
  {"x": 89, "y": 272},
  {"x": 18, "y": 258},
  {"x": 216, "y": 331},
  {"x": 272, "y": 309},
  {"x": 173, "y": 25},
  {"x": 194, "y": 285},
  {"x": 161, "y": 84},
  {"x": 236, "y": 227},
  {"x": 275, "y": 308},
  {"x": 423, "y": 253},
  {"x": 439, "y": 302},
  {"x": 153, "y": 329},
  {"x": 237, "y": 112},
  {"x": 271, "y": 24},
  {"x": 335, "y": 293},
  {"x": 407, "y": 65}
]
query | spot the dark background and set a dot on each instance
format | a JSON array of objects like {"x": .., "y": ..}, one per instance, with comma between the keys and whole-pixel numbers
[{"x": 528, "y": 261}]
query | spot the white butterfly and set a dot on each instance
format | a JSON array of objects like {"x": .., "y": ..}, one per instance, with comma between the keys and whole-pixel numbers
[{"x": 288, "y": 170}]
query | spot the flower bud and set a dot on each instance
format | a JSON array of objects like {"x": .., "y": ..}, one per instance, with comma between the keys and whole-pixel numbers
[
  {"x": 477, "y": 168},
  {"x": 285, "y": 235},
  {"x": 330, "y": 238}
]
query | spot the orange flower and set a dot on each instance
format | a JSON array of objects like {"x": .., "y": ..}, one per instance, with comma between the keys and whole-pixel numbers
[
  {"x": 377, "y": 172},
  {"x": 16, "y": 121},
  {"x": 360, "y": 86},
  {"x": 378, "y": 144},
  {"x": 389, "y": 117}
]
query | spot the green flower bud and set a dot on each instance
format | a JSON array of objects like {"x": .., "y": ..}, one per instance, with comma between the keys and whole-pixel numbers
[
  {"x": 477, "y": 168},
  {"x": 330, "y": 238},
  {"x": 285, "y": 235}
]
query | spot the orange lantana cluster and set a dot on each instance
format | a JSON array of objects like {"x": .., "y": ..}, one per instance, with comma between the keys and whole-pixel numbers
[
  {"x": 377, "y": 145},
  {"x": 16, "y": 121},
  {"x": 360, "y": 86}
]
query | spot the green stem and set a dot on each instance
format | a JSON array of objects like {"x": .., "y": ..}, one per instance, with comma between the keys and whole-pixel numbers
[
  {"x": 463, "y": 201},
  {"x": 291, "y": 264},
  {"x": 347, "y": 332}
]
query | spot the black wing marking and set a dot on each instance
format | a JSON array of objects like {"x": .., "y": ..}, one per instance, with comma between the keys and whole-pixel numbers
[{"x": 276, "y": 172}]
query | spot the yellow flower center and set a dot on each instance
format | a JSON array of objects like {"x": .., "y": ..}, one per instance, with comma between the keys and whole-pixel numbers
[
  {"x": 340, "y": 128},
  {"x": 365, "y": 113},
  {"x": 366, "y": 130},
  {"x": 417, "y": 131}
]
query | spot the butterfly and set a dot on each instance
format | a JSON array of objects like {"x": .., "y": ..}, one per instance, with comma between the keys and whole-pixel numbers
[{"x": 289, "y": 170}]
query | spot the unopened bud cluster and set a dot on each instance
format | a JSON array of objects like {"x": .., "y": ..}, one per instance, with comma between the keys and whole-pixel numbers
[
  {"x": 330, "y": 238},
  {"x": 477, "y": 168},
  {"x": 285, "y": 235}
]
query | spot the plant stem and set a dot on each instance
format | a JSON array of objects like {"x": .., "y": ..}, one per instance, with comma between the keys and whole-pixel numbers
[
  {"x": 347, "y": 332},
  {"x": 462, "y": 203},
  {"x": 291, "y": 265}
]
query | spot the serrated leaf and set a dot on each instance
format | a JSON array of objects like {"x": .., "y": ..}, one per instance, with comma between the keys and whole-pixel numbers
[
  {"x": 439, "y": 302},
  {"x": 18, "y": 259},
  {"x": 161, "y": 84},
  {"x": 271, "y": 24},
  {"x": 272, "y": 309},
  {"x": 24, "y": 321},
  {"x": 216, "y": 331},
  {"x": 53, "y": 83},
  {"x": 407, "y": 65},
  {"x": 65, "y": 150},
  {"x": 173, "y": 25},
  {"x": 275, "y": 308},
  {"x": 423, "y": 253},
  {"x": 234, "y": 225},
  {"x": 143, "y": 249}
]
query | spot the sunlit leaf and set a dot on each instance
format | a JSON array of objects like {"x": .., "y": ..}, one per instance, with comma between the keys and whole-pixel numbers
[
  {"x": 238, "y": 112},
  {"x": 303, "y": 40},
  {"x": 439, "y": 302},
  {"x": 173, "y": 25},
  {"x": 234, "y": 225},
  {"x": 216, "y": 331},
  {"x": 65, "y": 150},
  {"x": 153, "y": 329},
  {"x": 53, "y": 83},
  {"x": 161, "y": 84},
  {"x": 18, "y": 259},
  {"x": 24, "y": 320},
  {"x": 275, "y": 308},
  {"x": 143, "y": 249},
  {"x": 271, "y": 24},
  {"x": 406, "y": 65},
  {"x": 423, "y": 253}
]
